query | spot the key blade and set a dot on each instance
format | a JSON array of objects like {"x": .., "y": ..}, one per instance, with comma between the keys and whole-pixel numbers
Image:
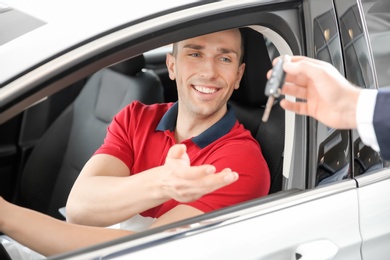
[{"x": 268, "y": 108}]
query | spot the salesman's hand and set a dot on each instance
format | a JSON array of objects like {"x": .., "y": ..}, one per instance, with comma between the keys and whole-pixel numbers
[
  {"x": 327, "y": 95},
  {"x": 185, "y": 183}
]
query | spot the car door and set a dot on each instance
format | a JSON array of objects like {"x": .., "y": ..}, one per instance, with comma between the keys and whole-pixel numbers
[
  {"x": 316, "y": 216},
  {"x": 371, "y": 170}
]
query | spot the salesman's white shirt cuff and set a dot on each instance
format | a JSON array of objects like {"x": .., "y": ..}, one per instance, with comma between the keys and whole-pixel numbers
[{"x": 365, "y": 116}]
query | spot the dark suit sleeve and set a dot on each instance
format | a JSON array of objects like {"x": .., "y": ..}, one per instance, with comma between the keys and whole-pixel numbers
[{"x": 381, "y": 122}]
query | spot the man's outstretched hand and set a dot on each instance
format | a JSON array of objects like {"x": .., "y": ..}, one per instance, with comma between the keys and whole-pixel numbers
[{"x": 184, "y": 183}]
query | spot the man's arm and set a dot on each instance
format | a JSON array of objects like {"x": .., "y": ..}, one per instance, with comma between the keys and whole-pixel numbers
[
  {"x": 364, "y": 117},
  {"x": 104, "y": 186},
  {"x": 382, "y": 123},
  {"x": 333, "y": 100},
  {"x": 57, "y": 237},
  {"x": 105, "y": 194}
]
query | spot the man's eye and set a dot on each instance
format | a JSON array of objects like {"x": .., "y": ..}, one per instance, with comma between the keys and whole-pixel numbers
[
  {"x": 225, "y": 59},
  {"x": 194, "y": 55}
]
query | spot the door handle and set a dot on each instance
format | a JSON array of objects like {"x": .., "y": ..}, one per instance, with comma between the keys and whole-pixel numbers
[{"x": 316, "y": 250}]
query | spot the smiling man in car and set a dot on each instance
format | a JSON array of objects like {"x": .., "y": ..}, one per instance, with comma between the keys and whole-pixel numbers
[{"x": 160, "y": 163}]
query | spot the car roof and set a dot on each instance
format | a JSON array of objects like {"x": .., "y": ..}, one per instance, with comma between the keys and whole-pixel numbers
[{"x": 33, "y": 31}]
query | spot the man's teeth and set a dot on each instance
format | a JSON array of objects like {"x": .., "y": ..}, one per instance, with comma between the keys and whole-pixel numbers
[{"x": 205, "y": 89}]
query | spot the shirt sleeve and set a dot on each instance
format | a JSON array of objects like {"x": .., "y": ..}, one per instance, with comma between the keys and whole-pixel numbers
[
  {"x": 364, "y": 118},
  {"x": 117, "y": 142}
]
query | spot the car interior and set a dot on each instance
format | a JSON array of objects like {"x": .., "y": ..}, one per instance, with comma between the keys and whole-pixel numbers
[
  {"x": 52, "y": 166},
  {"x": 59, "y": 156}
]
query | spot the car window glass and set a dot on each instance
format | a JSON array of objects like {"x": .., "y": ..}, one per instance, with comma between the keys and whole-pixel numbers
[
  {"x": 357, "y": 57},
  {"x": 377, "y": 14},
  {"x": 331, "y": 162},
  {"x": 327, "y": 39},
  {"x": 360, "y": 70}
]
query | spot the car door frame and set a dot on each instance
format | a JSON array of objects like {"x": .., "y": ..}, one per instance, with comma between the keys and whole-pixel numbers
[{"x": 273, "y": 227}]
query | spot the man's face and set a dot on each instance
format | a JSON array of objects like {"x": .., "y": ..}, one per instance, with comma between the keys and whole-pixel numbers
[{"x": 207, "y": 69}]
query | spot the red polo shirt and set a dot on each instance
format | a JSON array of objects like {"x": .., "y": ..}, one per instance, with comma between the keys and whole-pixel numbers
[{"x": 141, "y": 135}]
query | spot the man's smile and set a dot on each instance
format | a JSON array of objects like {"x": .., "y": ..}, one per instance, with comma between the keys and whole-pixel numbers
[{"x": 205, "y": 90}]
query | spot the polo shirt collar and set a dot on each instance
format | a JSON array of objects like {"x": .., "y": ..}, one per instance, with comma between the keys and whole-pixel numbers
[{"x": 219, "y": 129}]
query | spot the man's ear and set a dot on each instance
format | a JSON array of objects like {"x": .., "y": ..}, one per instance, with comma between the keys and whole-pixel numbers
[
  {"x": 240, "y": 73},
  {"x": 170, "y": 61}
]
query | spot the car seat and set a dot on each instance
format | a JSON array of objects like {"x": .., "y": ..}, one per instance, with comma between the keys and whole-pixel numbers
[
  {"x": 249, "y": 105},
  {"x": 56, "y": 161}
]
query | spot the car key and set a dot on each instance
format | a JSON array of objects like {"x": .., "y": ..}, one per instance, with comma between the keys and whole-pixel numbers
[{"x": 274, "y": 85}]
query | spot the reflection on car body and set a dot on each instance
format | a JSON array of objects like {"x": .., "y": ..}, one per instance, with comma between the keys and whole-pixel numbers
[
  {"x": 365, "y": 159},
  {"x": 334, "y": 157}
]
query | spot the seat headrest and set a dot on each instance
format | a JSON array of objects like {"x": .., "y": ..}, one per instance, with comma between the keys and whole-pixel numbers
[
  {"x": 131, "y": 66},
  {"x": 256, "y": 58}
]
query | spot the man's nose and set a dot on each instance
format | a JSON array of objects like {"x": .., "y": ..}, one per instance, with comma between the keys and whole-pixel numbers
[{"x": 209, "y": 69}]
